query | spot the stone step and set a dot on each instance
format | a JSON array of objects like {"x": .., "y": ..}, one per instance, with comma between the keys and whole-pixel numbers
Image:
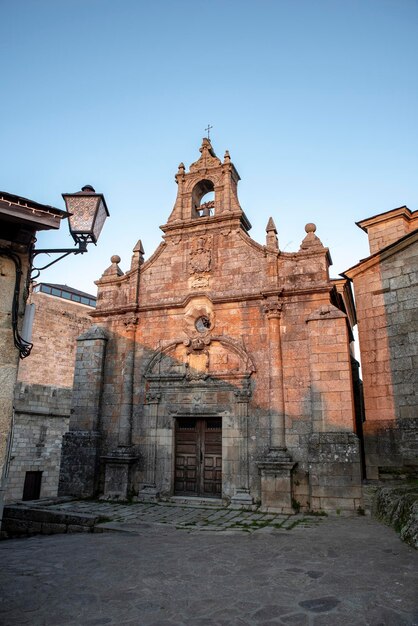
[{"x": 193, "y": 501}]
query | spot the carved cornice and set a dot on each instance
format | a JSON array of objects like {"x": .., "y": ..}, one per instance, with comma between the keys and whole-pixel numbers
[
  {"x": 235, "y": 218},
  {"x": 237, "y": 297}
]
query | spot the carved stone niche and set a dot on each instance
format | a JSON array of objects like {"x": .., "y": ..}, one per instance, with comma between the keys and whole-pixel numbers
[{"x": 199, "y": 359}]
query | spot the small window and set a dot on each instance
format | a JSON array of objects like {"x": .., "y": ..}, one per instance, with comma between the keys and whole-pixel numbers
[
  {"x": 202, "y": 324},
  {"x": 45, "y": 289},
  {"x": 32, "y": 486},
  {"x": 75, "y": 297},
  {"x": 84, "y": 300},
  {"x": 92, "y": 302},
  {"x": 56, "y": 292},
  {"x": 66, "y": 295}
]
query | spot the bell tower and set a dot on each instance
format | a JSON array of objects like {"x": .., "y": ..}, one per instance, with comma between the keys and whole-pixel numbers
[{"x": 208, "y": 175}]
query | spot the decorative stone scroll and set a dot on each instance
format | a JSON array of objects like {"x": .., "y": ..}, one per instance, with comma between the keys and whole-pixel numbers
[
  {"x": 153, "y": 397},
  {"x": 243, "y": 395},
  {"x": 130, "y": 323},
  {"x": 195, "y": 345},
  {"x": 273, "y": 309}
]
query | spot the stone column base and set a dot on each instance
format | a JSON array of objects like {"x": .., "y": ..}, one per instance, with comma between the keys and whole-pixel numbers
[
  {"x": 118, "y": 466},
  {"x": 148, "y": 493},
  {"x": 241, "y": 499},
  {"x": 79, "y": 463},
  {"x": 276, "y": 482}
]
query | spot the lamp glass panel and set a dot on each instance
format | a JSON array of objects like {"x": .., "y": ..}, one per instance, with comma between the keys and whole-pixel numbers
[
  {"x": 83, "y": 209},
  {"x": 100, "y": 220}
]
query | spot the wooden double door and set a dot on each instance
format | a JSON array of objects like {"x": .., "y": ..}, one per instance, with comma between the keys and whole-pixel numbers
[{"x": 198, "y": 470}]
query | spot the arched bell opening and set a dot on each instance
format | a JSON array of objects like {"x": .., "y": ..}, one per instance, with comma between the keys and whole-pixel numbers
[{"x": 203, "y": 199}]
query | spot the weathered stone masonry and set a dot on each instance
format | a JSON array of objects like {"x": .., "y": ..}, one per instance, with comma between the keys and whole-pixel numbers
[
  {"x": 386, "y": 289},
  {"x": 41, "y": 417},
  {"x": 218, "y": 367},
  {"x": 57, "y": 324}
]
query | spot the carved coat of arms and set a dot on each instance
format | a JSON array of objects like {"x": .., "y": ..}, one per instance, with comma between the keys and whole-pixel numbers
[{"x": 200, "y": 256}]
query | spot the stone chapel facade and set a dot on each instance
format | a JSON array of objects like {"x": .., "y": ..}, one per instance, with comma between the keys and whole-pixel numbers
[{"x": 219, "y": 367}]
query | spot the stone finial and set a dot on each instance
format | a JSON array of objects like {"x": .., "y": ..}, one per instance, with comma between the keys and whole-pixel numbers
[
  {"x": 181, "y": 168},
  {"x": 206, "y": 145},
  {"x": 139, "y": 247},
  {"x": 311, "y": 240},
  {"x": 114, "y": 269},
  {"x": 227, "y": 158},
  {"x": 271, "y": 226},
  {"x": 271, "y": 238},
  {"x": 138, "y": 255}
]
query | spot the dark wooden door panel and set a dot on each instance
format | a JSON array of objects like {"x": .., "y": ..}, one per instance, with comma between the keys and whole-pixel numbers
[
  {"x": 212, "y": 465},
  {"x": 198, "y": 468},
  {"x": 186, "y": 457},
  {"x": 32, "y": 486}
]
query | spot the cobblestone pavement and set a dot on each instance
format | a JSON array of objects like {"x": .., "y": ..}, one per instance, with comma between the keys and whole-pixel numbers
[
  {"x": 335, "y": 572},
  {"x": 122, "y": 516}
]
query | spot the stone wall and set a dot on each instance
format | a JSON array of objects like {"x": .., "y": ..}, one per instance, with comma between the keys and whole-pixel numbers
[
  {"x": 397, "y": 506},
  {"x": 389, "y": 227},
  {"x": 387, "y": 306},
  {"x": 41, "y": 417},
  {"x": 57, "y": 324},
  {"x": 9, "y": 355}
]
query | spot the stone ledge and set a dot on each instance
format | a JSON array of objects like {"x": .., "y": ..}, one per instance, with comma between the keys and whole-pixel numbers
[{"x": 20, "y": 519}]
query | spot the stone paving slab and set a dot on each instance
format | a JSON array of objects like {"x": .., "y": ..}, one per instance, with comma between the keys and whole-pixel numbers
[
  {"x": 182, "y": 516},
  {"x": 340, "y": 572}
]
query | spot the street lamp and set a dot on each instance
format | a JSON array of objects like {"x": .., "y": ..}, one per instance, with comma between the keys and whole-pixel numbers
[{"x": 87, "y": 212}]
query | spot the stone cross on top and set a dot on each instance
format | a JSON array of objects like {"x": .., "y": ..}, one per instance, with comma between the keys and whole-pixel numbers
[{"x": 208, "y": 128}]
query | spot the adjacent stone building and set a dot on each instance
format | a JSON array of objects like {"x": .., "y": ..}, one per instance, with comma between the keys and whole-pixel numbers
[
  {"x": 219, "y": 367},
  {"x": 20, "y": 220},
  {"x": 61, "y": 314},
  {"x": 41, "y": 417},
  {"x": 386, "y": 291},
  {"x": 43, "y": 395}
]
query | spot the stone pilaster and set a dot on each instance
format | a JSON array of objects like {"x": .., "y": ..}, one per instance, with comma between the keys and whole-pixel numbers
[
  {"x": 242, "y": 497},
  {"x": 276, "y": 468},
  {"x": 125, "y": 413},
  {"x": 81, "y": 445},
  {"x": 149, "y": 490},
  {"x": 119, "y": 463},
  {"x": 273, "y": 310}
]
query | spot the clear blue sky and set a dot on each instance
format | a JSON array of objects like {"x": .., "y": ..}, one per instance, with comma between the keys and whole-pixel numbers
[{"x": 316, "y": 101}]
